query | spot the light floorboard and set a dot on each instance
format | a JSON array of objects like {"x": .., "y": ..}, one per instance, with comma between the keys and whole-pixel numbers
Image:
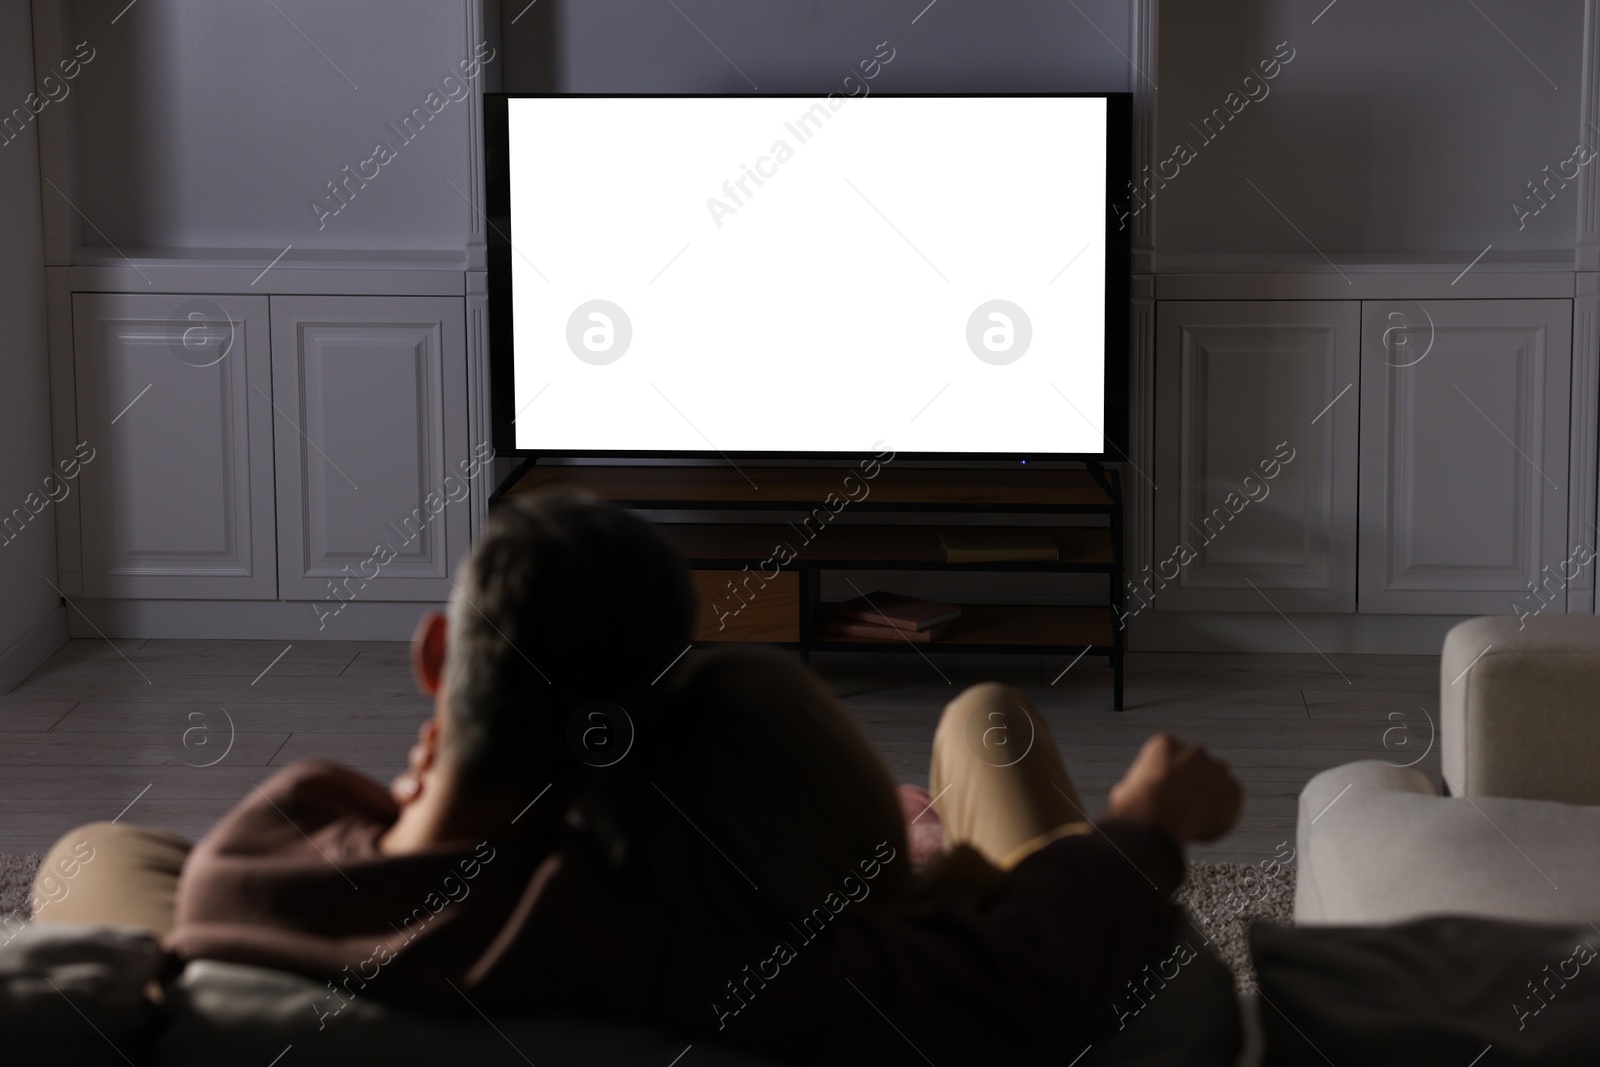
[
  {"x": 22, "y": 716},
  {"x": 272, "y": 689},
  {"x": 375, "y": 664},
  {"x": 195, "y": 745},
  {"x": 360, "y": 750},
  {"x": 99, "y": 728},
  {"x": 115, "y": 717},
  {"x": 282, "y": 658}
]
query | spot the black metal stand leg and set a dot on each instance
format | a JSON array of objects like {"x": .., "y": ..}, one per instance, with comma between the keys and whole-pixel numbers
[
  {"x": 1119, "y": 637},
  {"x": 810, "y": 596},
  {"x": 512, "y": 479},
  {"x": 1116, "y": 680}
]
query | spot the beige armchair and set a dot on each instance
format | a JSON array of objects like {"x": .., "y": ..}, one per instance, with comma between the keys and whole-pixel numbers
[
  {"x": 1519, "y": 836},
  {"x": 1519, "y": 708}
]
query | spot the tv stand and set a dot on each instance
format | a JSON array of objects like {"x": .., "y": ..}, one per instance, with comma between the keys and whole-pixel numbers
[{"x": 751, "y": 592}]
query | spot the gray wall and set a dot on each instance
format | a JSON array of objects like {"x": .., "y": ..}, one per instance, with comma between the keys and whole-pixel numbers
[
  {"x": 1398, "y": 127},
  {"x": 701, "y": 46},
  {"x": 200, "y": 131},
  {"x": 27, "y": 563}
]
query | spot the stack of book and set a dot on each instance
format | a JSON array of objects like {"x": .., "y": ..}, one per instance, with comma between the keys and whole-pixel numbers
[{"x": 890, "y": 617}]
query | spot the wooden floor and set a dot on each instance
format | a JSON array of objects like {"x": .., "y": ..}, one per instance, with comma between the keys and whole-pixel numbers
[{"x": 142, "y": 730}]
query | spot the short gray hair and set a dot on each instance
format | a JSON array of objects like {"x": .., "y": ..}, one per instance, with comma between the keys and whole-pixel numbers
[{"x": 563, "y": 600}]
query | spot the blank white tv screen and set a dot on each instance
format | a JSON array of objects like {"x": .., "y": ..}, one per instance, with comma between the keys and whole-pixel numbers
[{"x": 808, "y": 275}]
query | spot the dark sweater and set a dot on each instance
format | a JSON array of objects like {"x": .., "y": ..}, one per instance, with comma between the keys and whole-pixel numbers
[{"x": 292, "y": 878}]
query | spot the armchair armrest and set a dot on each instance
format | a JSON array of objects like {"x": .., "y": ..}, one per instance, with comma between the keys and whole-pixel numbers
[{"x": 1377, "y": 845}]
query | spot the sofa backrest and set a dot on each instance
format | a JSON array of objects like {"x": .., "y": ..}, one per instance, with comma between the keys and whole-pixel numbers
[{"x": 1519, "y": 704}]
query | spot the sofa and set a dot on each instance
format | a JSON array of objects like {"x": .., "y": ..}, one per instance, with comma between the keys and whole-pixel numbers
[
  {"x": 90, "y": 995},
  {"x": 1514, "y": 831},
  {"x": 87, "y": 995}
]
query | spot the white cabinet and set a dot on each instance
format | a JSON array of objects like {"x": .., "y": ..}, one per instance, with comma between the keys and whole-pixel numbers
[
  {"x": 291, "y": 447},
  {"x": 1256, "y": 425},
  {"x": 173, "y": 396},
  {"x": 1443, "y": 425},
  {"x": 1464, "y": 455},
  {"x": 372, "y": 436}
]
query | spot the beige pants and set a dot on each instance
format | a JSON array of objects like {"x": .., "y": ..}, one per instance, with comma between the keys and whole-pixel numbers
[
  {"x": 996, "y": 778},
  {"x": 110, "y": 873}
]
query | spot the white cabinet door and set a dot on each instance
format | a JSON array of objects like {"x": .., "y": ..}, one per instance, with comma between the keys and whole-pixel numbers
[
  {"x": 372, "y": 438},
  {"x": 1256, "y": 423},
  {"x": 173, "y": 396},
  {"x": 1464, "y": 455}
]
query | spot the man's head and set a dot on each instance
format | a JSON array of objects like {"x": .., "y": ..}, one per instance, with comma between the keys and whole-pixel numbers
[{"x": 562, "y": 601}]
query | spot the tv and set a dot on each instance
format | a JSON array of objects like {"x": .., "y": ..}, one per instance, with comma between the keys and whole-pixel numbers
[{"x": 809, "y": 276}]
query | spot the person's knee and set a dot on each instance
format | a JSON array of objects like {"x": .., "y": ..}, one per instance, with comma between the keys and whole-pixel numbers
[
  {"x": 63, "y": 863},
  {"x": 109, "y": 872},
  {"x": 121, "y": 845},
  {"x": 77, "y": 846},
  {"x": 978, "y": 708}
]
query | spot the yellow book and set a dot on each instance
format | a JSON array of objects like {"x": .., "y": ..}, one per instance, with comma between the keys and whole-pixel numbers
[{"x": 997, "y": 544}]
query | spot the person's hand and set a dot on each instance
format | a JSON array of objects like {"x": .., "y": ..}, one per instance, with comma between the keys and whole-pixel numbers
[
  {"x": 1180, "y": 788},
  {"x": 407, "y": 786}
]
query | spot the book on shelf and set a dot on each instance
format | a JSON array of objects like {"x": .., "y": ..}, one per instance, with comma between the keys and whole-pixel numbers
[
  {"x": 899, "y": 612},
  {"x": 854, "y": 628},
  {"x": 997, "y": 544}
]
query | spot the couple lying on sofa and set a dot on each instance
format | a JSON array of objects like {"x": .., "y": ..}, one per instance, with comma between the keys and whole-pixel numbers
[{"x": 593, "y": 824}]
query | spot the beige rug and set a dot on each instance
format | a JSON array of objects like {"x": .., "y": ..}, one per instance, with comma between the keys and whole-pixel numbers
[{"x": 1222, "y": 899}]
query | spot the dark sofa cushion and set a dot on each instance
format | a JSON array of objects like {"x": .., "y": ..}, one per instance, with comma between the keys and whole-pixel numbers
[
  {"x": 74, "y": 993},
  {"x": 1437, "y": 990}
]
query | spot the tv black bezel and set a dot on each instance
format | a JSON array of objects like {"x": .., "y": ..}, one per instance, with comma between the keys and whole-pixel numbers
[{"x": 502, "y": 363}]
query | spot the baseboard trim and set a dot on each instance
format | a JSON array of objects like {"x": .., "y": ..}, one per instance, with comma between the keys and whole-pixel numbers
[
  {"x": 248, "y": 619},
  {"x": 1240, "y": 631},
  {"x": 33, "y": 648}
]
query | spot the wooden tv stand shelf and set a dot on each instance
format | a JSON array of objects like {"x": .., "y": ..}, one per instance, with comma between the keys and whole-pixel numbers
[{"x": 761, "y": 581}]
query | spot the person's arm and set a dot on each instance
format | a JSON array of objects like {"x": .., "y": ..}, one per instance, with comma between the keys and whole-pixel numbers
[
  {"x": 280, "y": 813},
  {"x": 1031, "y": 975},
  {"x": 292, "y": 879},
  {"x": 1016, "y": 980}
]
